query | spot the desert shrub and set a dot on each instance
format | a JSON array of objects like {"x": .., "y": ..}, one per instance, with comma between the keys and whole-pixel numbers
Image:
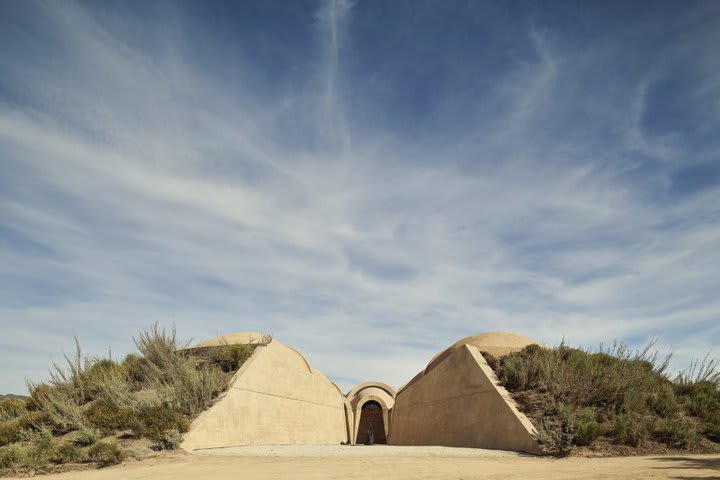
[
  {"x": 583, "y": 426},
  {"x": 87, "y": 436},
  {"x": 629, "y": 430},
  {"x": 11, "y": 431},
  {"x": 230, "y": 357},
  {"x": 579, "y": 426},
  {"x": 69, "y": 453},
  {"x": 159, "y": 349},
  {"x": 581, "y": 378},
  {"x": 11, "y": 408},
  {"x": 105, "y": 453},
  {"x": 154, "y": 394},
  {"x": 663, "y": 401},
  {"x": 107, "y": 382},
  {"x": 712, "y": 427},
  {"x": 169, "y": 440},
  {"x": 151, "y": 397},
  {"x": 13, "y": 456},
  {"x": 677, "y": 432},
  {"x": 71, "y": 380},
  {"x": 633, "y": 400},
  {"x": 524, "y": 371},
  {"x": 16, "y": 429},
  {"x": 615, "y": 392},
  {"x": 42, "y": 450},
  {"x": 554, "y": 439},
  {"x": 60, "y": 408},
  {"x": 38, "y": 392},
  {"x": 586, "y": 431},
  {"x": 134, "y": 368},
  {"x": 705, "y": 371},
  {"x": 108, "y": 417},
  {"x": 700, "y": 399},
  {"x": 155, "y": 422},
  {"x": 195, "y": 387}
]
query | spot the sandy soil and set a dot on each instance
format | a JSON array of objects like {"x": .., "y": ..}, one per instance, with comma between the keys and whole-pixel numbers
[{"x": 362, "y": 462}]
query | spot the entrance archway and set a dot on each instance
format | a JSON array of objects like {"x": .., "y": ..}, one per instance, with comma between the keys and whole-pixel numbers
[
  {"x": 370, "y": 406},
  {"x": 371, "y": 428}
]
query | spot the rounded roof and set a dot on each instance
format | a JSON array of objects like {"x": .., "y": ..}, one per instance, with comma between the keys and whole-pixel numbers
[
  {"x": 496, "y": 344},
  {"x": 363, "y": 386},
  {"x": 243, "y": 338}
]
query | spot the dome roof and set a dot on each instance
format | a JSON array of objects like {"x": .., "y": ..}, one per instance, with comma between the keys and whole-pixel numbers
[
  {"x": 496, "y": 344},
  {"x": 242, "y": 338}
]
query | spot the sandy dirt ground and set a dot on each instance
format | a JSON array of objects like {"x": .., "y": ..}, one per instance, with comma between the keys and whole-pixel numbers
[{"x": 384, "y": 462}]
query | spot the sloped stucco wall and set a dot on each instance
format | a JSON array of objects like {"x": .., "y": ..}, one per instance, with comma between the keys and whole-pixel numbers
[
  {"x": 275, "y": 398},
  {"x": 459, "y": 404}
]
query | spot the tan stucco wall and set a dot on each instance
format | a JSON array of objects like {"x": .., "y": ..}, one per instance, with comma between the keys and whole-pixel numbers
[
  {"x": 275, "y": 398},
  {"x": 459, "y": 404}
]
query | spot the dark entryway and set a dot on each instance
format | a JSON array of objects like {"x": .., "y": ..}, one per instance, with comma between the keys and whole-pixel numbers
[{"x": 371, "y": 420}]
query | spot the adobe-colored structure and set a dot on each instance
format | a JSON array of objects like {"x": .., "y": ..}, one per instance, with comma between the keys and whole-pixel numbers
[
  {"x": 278, "y": 398},
  {"x": 275, "y": 398}
]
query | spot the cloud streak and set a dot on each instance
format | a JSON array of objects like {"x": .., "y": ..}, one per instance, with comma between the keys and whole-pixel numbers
[{"x": 531, "y": 192}]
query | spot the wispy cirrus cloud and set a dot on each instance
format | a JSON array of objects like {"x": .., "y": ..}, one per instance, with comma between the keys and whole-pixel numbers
[{"x": 359, "y": 182}]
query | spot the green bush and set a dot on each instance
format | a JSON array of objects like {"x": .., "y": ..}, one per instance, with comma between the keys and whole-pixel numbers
[
  {"x": 663, "y": 401},
  {"x": 712, "y": 427},
  {"x": 13, "y": 456},
  {"x": 38, "y": 392},
  {"x": 230, "y": 357},
  {"x": 677, "y": 432},
  {"x": 105, "y": 453},
  {"x": 154, "y": 394},
  {"x": 701, "y": 399},
  {"x": 169, "y": 440},
  {"x": 109, "y": 418},
  {"x": 42, "y": 450},
  {"x": 155, "y": 422},
  {"x": 87, "y": 436},
  {"x": 554, "y": 439},
  {"x": 195, "y": 387},
  {"x": 160, "y": 353},
  {"x": 11, "y": 408},
  {"x": 135, "y": 367},
  {"x": 629, "y": 430},
  {"x": 586, "y": 431},
  {"x": 107, "y": 382},
  {"x": 70, "y": 453},
  {"x": 619, "y": 393},
  {"x": 13, "y": 431},
  {"x": 60, "y": 408}
]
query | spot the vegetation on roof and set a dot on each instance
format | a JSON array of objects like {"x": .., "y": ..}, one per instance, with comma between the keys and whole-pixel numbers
[
  {"x": 614, "y": 401},
  {"x": 90, "y": 409}
]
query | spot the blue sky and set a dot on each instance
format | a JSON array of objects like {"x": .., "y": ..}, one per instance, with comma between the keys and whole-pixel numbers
[{"x": 368, "y": 181}]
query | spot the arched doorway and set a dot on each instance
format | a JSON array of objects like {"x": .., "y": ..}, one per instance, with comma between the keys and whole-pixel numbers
[{"x": 371, "y": 428}]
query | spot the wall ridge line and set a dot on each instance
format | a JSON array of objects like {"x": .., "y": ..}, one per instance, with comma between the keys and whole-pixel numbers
[{"x": 286, "y": 398}]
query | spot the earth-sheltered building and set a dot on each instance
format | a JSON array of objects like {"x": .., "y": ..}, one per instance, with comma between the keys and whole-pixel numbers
[{"x": 277, "y": 397}]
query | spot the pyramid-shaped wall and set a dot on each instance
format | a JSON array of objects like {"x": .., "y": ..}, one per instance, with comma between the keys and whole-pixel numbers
[
  {"x": 458, "y": 403},
  {"x": 275, "y": 398}
]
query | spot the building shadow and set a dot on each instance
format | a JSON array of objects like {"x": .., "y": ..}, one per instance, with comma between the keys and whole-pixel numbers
[{"x": 692, "y": 463}]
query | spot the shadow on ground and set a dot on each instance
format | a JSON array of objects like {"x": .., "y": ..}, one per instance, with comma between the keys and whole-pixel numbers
[{"x": 690, "y": 463}]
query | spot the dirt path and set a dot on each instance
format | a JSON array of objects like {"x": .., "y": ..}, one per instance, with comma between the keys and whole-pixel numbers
[{"x": 424, "y": 464}]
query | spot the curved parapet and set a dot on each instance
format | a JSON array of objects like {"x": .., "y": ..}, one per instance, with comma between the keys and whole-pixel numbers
[
  {"x": 382, "y": 386},
  {"x": 496, "y": 344},
  {"x": 243, "y": 338},
  {"x": 275, "y": 398}
]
